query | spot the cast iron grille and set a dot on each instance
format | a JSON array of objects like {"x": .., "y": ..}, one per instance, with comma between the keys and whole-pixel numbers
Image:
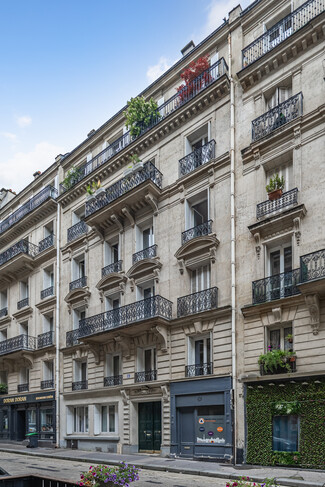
[
  {"x": 21, "y": 247},
  {"x": 47, "y": 384},
  {"x": 49, "y": 291},
  {"x": 197, "y": 158},
  {"x": 197, "y": 302},
  {"x": 20, "y": 342},
  {"x": 276, "y": 287},
  {"x": 198, "y": 231},
  {"x": 81, "y": 384},
  {"x": 77, "y": 230},
  {"x": 280, "y": 31},
  {"x": 312, "y": 266},
  {"x": 277, "y": 116},
  {"x": 72, "y": 338},
  {"x": 78, "y": 283},
  {"x": 156, "y": 306},
  {"x": 46, "y": 243},
  {"x": 199, "y": 369},
  {"x": 22, "y": 303},
  {"x": 23, "y": 387},
  {"x": 148, "y": 253},
  {"x": 109, "y": 269},
  {"x": 3, "y": 312},
  {"x": 287, "y": 199},
  {"x": 45, "y": 339},
  {"x": 30, "y": 205},
  {"x": 145, "y": 376},
  {"x": 279, "y": 369},
  {"x": 114, "y": 380},
  {"x": 204, "y": 80},
  {"x": 123, "y": 186}
]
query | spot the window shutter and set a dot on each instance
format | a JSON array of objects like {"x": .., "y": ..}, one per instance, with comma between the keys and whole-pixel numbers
[{"x": 97, "y": 411}]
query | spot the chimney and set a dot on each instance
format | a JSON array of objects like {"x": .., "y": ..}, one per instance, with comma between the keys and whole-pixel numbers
[
  {"x": 188, "y": 48},
  {"x": 37, "y": 174},
  {"x": 91, "y": 132}
]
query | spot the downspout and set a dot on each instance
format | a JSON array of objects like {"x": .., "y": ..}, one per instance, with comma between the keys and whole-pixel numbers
[
  {"x": 233, "y": 243},
  {"x": 57, "y": 330}
]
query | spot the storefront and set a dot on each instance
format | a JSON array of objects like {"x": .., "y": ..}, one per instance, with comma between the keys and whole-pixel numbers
[
  {"x": 201, "y": 418},
  {"x": 28, "y": 413}
]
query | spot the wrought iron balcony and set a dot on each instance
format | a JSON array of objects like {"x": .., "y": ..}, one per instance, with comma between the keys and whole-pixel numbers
[
  {"x": 114, "y": 267},
  {"x": 276, "y": 287},
  {"x": 78, "y": 283},
  {"x": 72, "y": 338},
  {"x": 199, "y": 369},
  {"x": 23, "y": 387},
  {"x": 81, "y": 384},
  {"x": 113, "y": 380},
  {"x": 148, "y": 253},
  {"x": 46, "y": 243},
  {"x": 267, "y": 207},
  {"x": 281, "y": 370},
  {"x": 198, "y": 231},
  {"x": 45, "y": 339},
  {"x": 199, "y": 84},
  {"x": 3, "y": 312},
  {"x": 283, "y": 29},
  {"x": 77, "y": 230},
  {"x": 22, "y": 303},
  {"x": 20, "y": 342},
  {"x": 197, "y": 302},
  {"x": 145, "y": 376},
  {"x": 197, "y": 158},
  {"x": 49, "y": 291},
  {"x": 123, "y": 186},
  {"x": 153, "y": 307},
  {"x": 276, "y": 117},
  {"x": 312, "y": 266},
  {"x": 21, "y": 247},
  {"x": 28, "y": 207},
  {"x": 47, "y": 384}
]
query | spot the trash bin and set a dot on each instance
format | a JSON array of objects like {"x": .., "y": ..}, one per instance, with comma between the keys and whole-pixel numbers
[{"x": 33, "y": 440}]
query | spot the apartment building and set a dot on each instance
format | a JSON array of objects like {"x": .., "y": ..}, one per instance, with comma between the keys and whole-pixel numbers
[{"x": 167, "y": 284}]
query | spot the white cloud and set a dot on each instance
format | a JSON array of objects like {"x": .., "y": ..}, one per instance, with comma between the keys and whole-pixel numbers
[
  {"x": 17, "y": 172},
  {"x": 24, "y": 121},
  {"x": 9, "y": 135},
  {"x": 153, "y": 72}
]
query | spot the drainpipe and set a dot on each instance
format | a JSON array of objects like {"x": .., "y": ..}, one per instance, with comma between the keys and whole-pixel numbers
[
  {"x": 57, "y": 330},
  {"x": 233, "y": 242}
]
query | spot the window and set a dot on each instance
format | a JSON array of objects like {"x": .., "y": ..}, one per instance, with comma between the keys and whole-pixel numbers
[
  {"x": 285, "y": 433},
  {"x": 31, "y": 420},
  {"x": 146, "y": 359},
  {"x": 48, "y": 323},
  {"x": 23, "y": 328},
  {"x": 80, "y": 420},
  {"x": 23, "y": 289},
  {"x": 77, "y": 315},
  {"x": 48, "y": 229},
  {"x": 24, "y": 375},
  {"x": 196, "y": 141},
  {"x": 108, "y": 419},
  {"x": 47, "y": 420},
  {"x": 279, "y": 267},
  {"x": 3, "y": 335},
  {"x": 278, "y": 338},
  {"x": 197, "y": 210},
  {"x": 80, "y": 371},
  {"x": 199, "y": 356},
  {"x": 3, "y": 300},
  {"x": 78, "y": 215},
  {"x": 113, "y": 365},
  {"x": 285, "y": 171},
  {"x": 144, "y": 236},
  {"x": 277, "y": 96},
  {"x": 48, "y": 370},
  {"x": 112, "y": 305},
  {"x": 111, "y": 253},
  {"x": 3, "y": 377},
  {"x": 48, "y": 277},
  {"x": 200, "y": 279}
]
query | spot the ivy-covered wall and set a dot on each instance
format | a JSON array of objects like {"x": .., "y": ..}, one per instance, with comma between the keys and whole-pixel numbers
[{"x": 307, "y": 400}]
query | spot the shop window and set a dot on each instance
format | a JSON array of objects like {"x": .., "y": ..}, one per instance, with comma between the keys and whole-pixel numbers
[
  {"x": 47, "y": 422},
  {"x": 80, "y": 419},
  {"x": 31, "y": 421},
  {"x": 280, "y": 338},
  {"x": 5, "y": 421},
  {"x": 285, "y": 433}
]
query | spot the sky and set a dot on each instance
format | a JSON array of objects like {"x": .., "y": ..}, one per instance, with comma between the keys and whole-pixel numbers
[{"x": 67, "y": 66}]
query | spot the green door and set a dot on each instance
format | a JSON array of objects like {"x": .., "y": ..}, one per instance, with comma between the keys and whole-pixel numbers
[{"x": 149, "y": 426}]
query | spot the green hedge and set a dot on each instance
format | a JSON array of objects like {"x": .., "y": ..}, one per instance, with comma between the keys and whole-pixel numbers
[{"x": 308, "y": 401}]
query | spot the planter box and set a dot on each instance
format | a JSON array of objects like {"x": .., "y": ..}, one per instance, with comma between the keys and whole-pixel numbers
[
  {"x": 100, "y": 191},
  {"x": 280, "y": 370},
  {"x": 138, "y": 166},
  {"x": 128, "y": 171},
  {"x": 275, "y": 195}
]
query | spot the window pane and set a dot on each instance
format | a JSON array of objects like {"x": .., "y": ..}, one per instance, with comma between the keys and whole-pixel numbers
[
  {"x": 104, "y": 419},
  {"x": 47, "y": 420},
  {"x": 111, "y": 419},
  {"x": 287, "y": 345},
  {"x": 285, "y": 433},
  {"x": 287, "y": 259},
  {"x": 275, "y": 339}
]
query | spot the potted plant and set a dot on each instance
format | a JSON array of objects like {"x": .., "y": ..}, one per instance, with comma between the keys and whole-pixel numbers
[
  {"x": 140, "y": 114},
  {"x": 72, "y": 177},
  {"x": 94, "y": 189},
  {"x": 104, "y": 475},
  {"x": 289, "y": 338},
  {"x": 194, "y": 70},
  {"x": 276, "y": 361},
  {"x": 3, "y": 389},
  {"x": 275, "y": 187},
  {"x": 137, "y": 163}
]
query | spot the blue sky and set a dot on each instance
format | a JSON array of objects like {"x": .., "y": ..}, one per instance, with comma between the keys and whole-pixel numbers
[{"x": 69, "y": 65}]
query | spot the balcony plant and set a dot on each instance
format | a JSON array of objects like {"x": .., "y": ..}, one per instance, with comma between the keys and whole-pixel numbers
[
  {"x": 275, "y": 187},
  {"x": 195, "y": 68},
  {"x": 247, "y": 482},
  {"x": 104, "y": 475},
  {"x": 140, "y": 114},
  {"x": 3, "y": 388},
  {"x": 289, "y": 338},
  {"x": 72, "y": 177},
  {"x": 276, "y": 361}
]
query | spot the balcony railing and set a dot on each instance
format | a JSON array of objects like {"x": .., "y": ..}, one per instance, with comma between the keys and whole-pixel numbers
[
  {"x": 114, "y": 380},
  {"x": 276, "y": 287},
  {"x": 197, "y": 302},
  {"x": 21, "y": 247},
  {"x": 197, "y": 158},
  {"x": 77, "y": 230},
  {"x": 3, "y": 312},
  {"x": 123, "y": 186},
  {"x": 282, "y": 30},
  {"x": 198, "y": 231},
  {"x": 267, "y": 207},
  {"x": 30, "y": 205},
  {"x": 199, "y": 84},
  {"x": 22, "y": 303},
  {"x": 49, "y": 291},
  {"x": 156, "y": 306},
  {"x": 78, "y": 283},
  {"x": 23, "y": 387},
  {"x": 81, "y": 384},
  {"x": 47, "y": 384},
  {"x": 312, "y": 266},
  {"x": 20, "y": 342},
  {"x": 45, "y": 339},
  {"x": 277, "y": 116},
  {"x": 72, "y": 338},
  {"x": 148, "y": 253},
  {"x": 46, "y": 243},
  {"x": 114, "y": 267},
  {"x": 145, "y": 376},
  {"x": 198, "y": 369}
]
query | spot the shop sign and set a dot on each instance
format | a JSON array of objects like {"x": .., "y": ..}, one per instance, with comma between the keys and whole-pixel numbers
[
  {"x": 27, "y": 398},
  {"x": 210, "y": 429}
]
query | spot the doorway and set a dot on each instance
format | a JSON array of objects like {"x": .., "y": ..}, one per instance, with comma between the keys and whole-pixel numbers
[
  {"x": 149, "y": 414},
  {"x": 21, "y": 424}
]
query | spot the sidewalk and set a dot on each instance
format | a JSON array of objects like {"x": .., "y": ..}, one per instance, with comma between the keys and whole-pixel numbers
[{"x": 292, "y": 477}]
